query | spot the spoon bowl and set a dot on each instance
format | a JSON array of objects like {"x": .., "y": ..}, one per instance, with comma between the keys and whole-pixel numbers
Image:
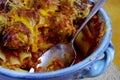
[{"x": 61, "y": 52}]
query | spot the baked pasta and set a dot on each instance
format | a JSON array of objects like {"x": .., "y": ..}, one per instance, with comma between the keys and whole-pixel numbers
[{"x": 30, "y": 27}]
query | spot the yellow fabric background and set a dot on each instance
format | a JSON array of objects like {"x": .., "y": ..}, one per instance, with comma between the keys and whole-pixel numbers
[{"x": 113, "y": 9}]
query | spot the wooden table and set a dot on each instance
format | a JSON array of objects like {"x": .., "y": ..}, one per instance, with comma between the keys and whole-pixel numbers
[{"x": 113, "y": 9}]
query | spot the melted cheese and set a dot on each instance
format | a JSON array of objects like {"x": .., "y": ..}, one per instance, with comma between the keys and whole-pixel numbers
[
  {"x": 45, "y": 12},
  {"x": 31, "y": 25}
]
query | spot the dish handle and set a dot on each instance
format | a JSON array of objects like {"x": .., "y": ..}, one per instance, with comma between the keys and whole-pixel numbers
[{"x": 99, "y": 66}]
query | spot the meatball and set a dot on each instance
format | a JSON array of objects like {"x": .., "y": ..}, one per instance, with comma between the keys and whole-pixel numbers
[
  {"x": 16, "y": 36},
  {"x": 59, "y": 30}
]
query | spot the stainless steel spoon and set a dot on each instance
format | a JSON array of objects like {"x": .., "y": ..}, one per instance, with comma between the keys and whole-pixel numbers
[{"x": 66, "y": 52}]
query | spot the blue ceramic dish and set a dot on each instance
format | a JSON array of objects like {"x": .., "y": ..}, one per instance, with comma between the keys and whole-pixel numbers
[{"x": 90, "y": 67}]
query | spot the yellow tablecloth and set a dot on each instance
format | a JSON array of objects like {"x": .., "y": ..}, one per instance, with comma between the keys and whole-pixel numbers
[{"x": 113, "y": 9}]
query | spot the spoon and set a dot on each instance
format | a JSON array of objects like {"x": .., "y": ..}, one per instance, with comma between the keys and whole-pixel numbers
[{"x": 66, "y": 52}]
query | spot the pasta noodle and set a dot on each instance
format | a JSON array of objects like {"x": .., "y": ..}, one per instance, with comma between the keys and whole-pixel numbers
[
  {"x": 2, "y": 57},
  {"x": 24, "y": 55}
]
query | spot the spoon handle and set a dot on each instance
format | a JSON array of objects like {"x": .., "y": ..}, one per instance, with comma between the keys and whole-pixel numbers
[{"x": 96, "y": 7}]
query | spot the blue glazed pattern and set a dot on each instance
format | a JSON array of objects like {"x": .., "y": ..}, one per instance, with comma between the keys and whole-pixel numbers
[{"x": 89, "y": 67}]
